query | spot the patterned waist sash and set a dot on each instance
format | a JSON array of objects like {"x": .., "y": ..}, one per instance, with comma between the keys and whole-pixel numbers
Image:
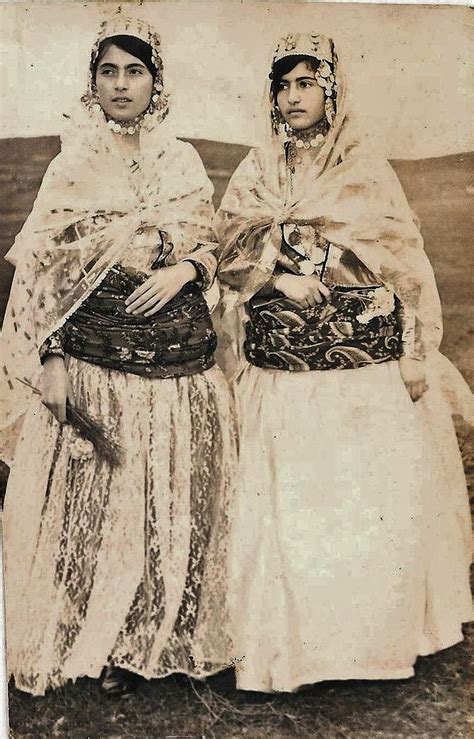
[
  {"x": 342, "y": 333},
  {"x": 178, "y": 340}
]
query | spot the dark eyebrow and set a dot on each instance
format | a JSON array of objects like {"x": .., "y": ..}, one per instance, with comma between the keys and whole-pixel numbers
[
  {"x": 127, "y": 66},
  {"x": 299, "y": 79}
]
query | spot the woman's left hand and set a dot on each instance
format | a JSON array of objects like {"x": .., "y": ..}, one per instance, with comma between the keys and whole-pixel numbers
[
  {"x": 413, "y": 374},
  {"x": 160, "y": 288}
]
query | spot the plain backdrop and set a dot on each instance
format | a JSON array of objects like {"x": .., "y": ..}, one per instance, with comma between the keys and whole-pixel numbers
[{"x": 410, "y": 68}]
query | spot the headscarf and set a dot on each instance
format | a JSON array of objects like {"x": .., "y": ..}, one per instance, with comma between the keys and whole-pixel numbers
[
  {"x": 352, "y": 198},
  {"x": 350, "y": 195},
  {"x": 89, "y": 212}
]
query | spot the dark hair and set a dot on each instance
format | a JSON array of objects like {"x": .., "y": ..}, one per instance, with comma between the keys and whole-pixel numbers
[
  {"x": 132, "y": 45},
  {"x": 285, "y": 65}
]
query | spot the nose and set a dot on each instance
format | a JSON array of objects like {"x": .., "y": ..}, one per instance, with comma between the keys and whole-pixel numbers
[
  {"x": 121, "y": 82},
  {"x": 293, "y": 95}
]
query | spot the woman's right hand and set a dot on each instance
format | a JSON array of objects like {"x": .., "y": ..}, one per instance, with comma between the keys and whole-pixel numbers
[
  {"x": 306, "y": 290},
  {"x": 56, "y": 387}
]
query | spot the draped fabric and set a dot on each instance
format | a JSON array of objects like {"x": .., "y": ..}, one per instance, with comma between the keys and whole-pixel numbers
[
  {"x": 354, "y": 200},
  {"x": 351, "y": 540},
  {"x": 130, "y": 564},
  {"x": 125, "y": 564},
  {"x": 92, "y": 212}
]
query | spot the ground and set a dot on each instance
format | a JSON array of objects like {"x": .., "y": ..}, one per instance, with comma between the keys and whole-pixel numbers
[{"x": 434, "y": 704}]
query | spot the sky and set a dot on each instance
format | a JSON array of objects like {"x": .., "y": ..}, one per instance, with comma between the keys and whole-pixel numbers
[{"x": 409, "y": 68}]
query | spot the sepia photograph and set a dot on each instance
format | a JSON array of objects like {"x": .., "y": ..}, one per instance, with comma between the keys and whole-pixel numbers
[{"x": 236, "y": 410}]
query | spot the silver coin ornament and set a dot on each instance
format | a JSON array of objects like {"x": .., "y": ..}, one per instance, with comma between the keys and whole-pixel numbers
[
  {"x": 318, "y": 255},
  {"x": 307, "y": 267}
]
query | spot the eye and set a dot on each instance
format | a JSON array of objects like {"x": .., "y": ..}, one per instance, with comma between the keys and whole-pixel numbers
[
  {"x": 136, "y": 71},
  {"x": 106, "y": 72},
  {"x": 282, "y": 86}
]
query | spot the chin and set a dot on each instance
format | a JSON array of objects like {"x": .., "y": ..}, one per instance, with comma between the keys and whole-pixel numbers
[
  {"x": 121, "y": 115},
  {"x": 299, "y": 126}
]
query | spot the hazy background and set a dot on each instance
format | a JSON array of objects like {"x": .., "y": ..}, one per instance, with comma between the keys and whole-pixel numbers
[{"x": 410, "y": 68}]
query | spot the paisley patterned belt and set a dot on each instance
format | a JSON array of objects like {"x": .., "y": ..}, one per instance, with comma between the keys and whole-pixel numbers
[
  {"x": 341, "y": 333},
  {"x": 178, "y": 340}
]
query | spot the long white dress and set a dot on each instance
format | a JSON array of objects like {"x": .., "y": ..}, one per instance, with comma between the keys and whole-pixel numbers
[
  {"x": 126, "y": 565},
  {"x": 353, "y": 511},
  {"x": 351, "y": 536}
]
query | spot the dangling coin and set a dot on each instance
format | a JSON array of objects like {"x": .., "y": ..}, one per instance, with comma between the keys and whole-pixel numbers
[
  {"x": 306, "y": 267},
  {"x": 318, "y": 255}
]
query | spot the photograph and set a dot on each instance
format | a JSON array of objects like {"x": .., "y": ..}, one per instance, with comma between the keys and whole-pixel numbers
[{"x": 237, "y": 360}]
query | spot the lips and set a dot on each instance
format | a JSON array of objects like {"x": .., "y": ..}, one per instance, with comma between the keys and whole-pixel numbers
[
  {"x": 121, "y": 100},
  {"x": 296, "y": 112}
]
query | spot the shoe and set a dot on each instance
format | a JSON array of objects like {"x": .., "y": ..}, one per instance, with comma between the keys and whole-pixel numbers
[{"x": 118, "y": 682}]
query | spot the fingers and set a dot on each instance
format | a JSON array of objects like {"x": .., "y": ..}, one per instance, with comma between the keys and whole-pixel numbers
[
  {"x": 161, "y": 304},
  {"x": 137, "y": 294},
  {"x": 158, "y": 306},
  {"x": 417, "y": 389},
  {"x": 311, "y": 299},
  {"x": 325, "y": 291},
  {"x": 57, "y": 408},
  {"x": 316, "y": 295},
  {"x": 145, "y": 299},
  {"x": 146, "y": 305}
]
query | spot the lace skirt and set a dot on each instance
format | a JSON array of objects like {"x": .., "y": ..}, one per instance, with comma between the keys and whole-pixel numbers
[
  {"x": 129, "y": 565},
  {"x": 351, "y": 537}
]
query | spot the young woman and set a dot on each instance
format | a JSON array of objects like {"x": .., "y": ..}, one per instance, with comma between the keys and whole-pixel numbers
[
  {"x": 117, "y": 565},
  {"x": 351, "y": 536}
]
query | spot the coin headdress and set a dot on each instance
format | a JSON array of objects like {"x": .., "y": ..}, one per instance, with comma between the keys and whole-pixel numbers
[
  {"x": 312, "y": 46},
  {"x": 121, "y": 25}
]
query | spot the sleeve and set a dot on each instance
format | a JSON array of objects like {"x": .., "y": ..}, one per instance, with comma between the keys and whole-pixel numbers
[
  {"x": 205, "y": 266},
  {"x": 53, "y": 345},
  {"x": 192, "y": 234}
]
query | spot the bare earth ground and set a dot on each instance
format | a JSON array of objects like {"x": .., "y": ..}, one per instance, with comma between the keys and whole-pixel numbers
[{"x": 438, "y": 702}]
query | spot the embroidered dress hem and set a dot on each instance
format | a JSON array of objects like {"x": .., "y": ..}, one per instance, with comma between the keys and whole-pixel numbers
[{"x": 95, "y": 673}]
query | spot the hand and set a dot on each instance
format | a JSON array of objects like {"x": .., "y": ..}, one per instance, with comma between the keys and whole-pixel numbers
[
  {"x": 56, "y": 387},
  {"x": 160, "y": 288},
  {"x": 414, "y": 376},
  {"x": 306, "y": 290}
]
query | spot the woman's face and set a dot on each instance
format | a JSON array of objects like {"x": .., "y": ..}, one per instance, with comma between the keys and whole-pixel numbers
[
  {"x": 300, "y": 98},
  {"x": 124, "y": 84}
]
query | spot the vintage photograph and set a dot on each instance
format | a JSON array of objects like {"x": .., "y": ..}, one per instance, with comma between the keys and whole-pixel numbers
[{"x": 237, "y": 457}]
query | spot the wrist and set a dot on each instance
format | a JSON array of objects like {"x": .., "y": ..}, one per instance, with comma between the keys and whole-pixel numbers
[
  {"x": 279, "y": 281},
  {"x": 188, "y": 271}
]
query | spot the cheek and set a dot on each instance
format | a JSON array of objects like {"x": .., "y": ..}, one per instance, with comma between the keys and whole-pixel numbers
[
  {"x": 101, "y": 86},
  {"x": 280, "y": 99},
  {"x": 145, "y": 88},
  {"x": 318, "y": 98}
]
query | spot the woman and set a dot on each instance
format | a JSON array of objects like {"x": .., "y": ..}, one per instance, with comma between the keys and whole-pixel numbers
[
  {"x": 352, "y": 507},
  {"x": 106, "y": 564}
]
